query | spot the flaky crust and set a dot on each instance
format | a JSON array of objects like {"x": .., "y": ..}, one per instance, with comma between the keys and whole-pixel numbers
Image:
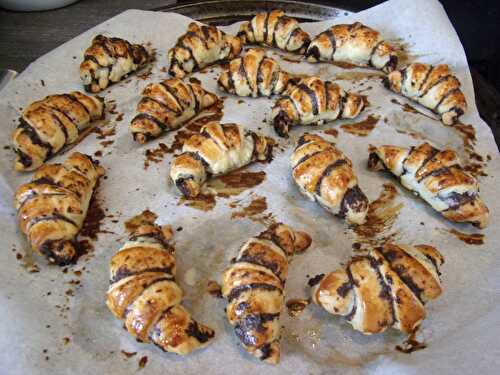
[
  {"x": 166, "y": 106},
  {"x": 48, "y": 125},
  {"x": 275, "y": 29},
  {"x": 325, "y": 175},
  {"x": 382, "y": 287},
  {"x": 437, "y": 177},
  {"x": 254, "y": 74},
  {"x": 354, "y": 44},
  {"x": 312, "y": 101},
  {"x": 52, "y": 207},
  {"x": 109, "y": 60},
  {"x": 434, "y": 87},
  {"x": 199, "y": 47},
  {"x": 144, "y": 294},
  {"x": 217, "y": 149},
  {"x": 254, "y": 288}
]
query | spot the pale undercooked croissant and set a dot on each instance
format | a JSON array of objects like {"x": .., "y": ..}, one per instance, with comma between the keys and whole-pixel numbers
[
  {"x": 52, "y": 207},
  {"x": 313, "y": 101},
  {"x": 254, "y": 288},
  {"x": 199, "y": 47},
  {"x": 217, "y": 149},
  {"x": 382, "y": 287},
  {"x": 325, "y": 175},
  {"x": 433, "y": 86},
  {"x": 253, "y": 74},
  {"x": 47, "y": 125},
  {"x": 144, "y": 294},
  {"x": 275, "y": 29},
  {"x": 437, "y": 177},
  {"x": 166, "y": 106},
  {"x": 354, "y": 44},
  {"x": 109, "y": 60}
]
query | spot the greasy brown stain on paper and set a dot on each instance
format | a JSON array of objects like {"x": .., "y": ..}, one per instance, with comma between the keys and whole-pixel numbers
[
  {"x": 155, "y": 155},
  {"x": 382, "y": 214},
  {"x": 214, "y": 289},
  {"x": 411, "y": 344},
  {"x": 202, "y": 202},
  {"x": 358, "y": 76},
  {"x": 333, "y": 132},
  {"x": 257, "y": 206},
  {"x": 408, "y": 108},
  {"x": 296, "y": 306},
  {"x": 362, "y": 128},
  {"x": 470, "y": 239}
]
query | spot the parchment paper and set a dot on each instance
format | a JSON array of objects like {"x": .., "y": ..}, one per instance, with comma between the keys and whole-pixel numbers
[{"x": 462, "y": 327}]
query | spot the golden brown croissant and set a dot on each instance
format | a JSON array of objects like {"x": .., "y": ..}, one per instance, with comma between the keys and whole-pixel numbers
[
  {"x": 254, "y": 74},
  {"x": 48, "y": 125},
  {"x": 275, "y": 29},
  {"x": 109, "y": 60},
  {"x": 144, "y": 294},
  {"x": 437, "y": 177},
  {"x": 313, "y": 101},
  {"x": 325, "y": 175},
  {"x": 354, "y": 44},
  {"x": 382, "y": 287},
  {"x": 434, "y": 87},
  {"x": 217, "y": 149},
  {"x": 166, "y": 106},
  {"x": 199, "y": 47},
  {"x": 52, "y": 207},
  {"x": 254, "y": 288}
]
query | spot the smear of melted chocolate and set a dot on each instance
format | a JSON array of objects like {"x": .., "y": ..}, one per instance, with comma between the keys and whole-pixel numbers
[
  {"x": 470, "y": 239},
  {"x": 362, "y": 128}
]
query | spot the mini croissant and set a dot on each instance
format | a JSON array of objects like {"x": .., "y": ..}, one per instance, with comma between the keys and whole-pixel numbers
[
  {"x": 199, "y": 47},
  {"x": 52, "y": 207},
  {"x": 144, "y": 294},
  {"x": 382, "y": 287},
  {"x": 437, "y": 177},
  {"x": 354, "y": 44},
  {"x": 313, "y": 101},
  {"x": 166, "y": 106},
  {"x": 325, "y": 175},
  {"x": 254, "y": 74},
  {"x": 434, "y": 87},
  {"x": 254, "y": 288},
  {"x": 109, "y": 60},
  {"x": 218, "y": 149},
  {"x": 48, "y": 125},
  {"x": 275, "y": 29}
]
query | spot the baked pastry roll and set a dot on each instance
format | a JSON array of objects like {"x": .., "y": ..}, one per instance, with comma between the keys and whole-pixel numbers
[
  {"x": 434, "y": 87},
  {"x": 52, "y": 207},
  {"x": 199, "y": 47},
  {"x": 275, "y": 29},
  {"x": 355, "y": 44},
  {"x": 109, "y": 60},
  {"x": 382, "y": 287},
  {"x": 218, "y": 149},
  {"x": 254, "y": 74},
  {"x": 254, "y": 288},
  {"x": 166, "y": 106},
  {"x": 311, "y": 102},
  {"x": 437, "y": 177},
  {"x": 325, "y": 175},
  {"x": 144, "y": 294},
  {"x": 48, "y": 125}
]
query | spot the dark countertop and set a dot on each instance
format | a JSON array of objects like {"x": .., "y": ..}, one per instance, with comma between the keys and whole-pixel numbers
[{"x": 26, "y": 36}]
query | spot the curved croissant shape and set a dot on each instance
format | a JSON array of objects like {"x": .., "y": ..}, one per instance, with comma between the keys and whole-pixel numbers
[
  {"x": 313, "y": 101},
  {"x": 166, "y": 106},
  {"x": 275, "y": 29},
  {"x": 218, "y": 149},
  {"x": 109, "y": 60},
  {"x": 144, "y": 294},
  {"x": 381, "y": 288},
  {"x": 199, "y": 47},
  {"x": 254, "y": 74},
  {"x": 437, "y": 177},
  {"x": 325, "y": 175},
  {"x": 354, "y": 44},
  {"x": 52, "y": 207},
  {"x": 48, "y": 125},
  {"x": 254, "y": 288},
  {"x": 434, "y": 87}
]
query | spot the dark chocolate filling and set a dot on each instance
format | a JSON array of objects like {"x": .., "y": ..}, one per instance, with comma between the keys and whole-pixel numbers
[{"x": 237, "y": 291}]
